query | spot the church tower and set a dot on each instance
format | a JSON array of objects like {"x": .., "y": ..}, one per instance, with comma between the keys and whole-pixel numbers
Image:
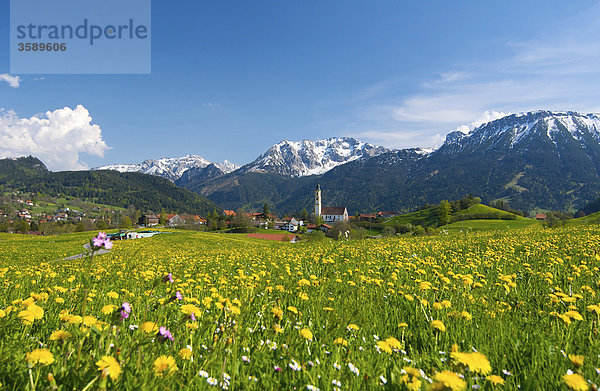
[{"x": 318, "y": 201}]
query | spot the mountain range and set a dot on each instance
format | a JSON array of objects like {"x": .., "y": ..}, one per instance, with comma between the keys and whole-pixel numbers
[
  {"x": 171, "y": 168},
  {"x": 540, "y": 159},
  {"x": 144, "y": 192}
]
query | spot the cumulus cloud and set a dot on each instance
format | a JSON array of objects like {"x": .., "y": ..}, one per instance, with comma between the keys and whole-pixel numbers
[
  {"x": 13, "y": 81},
  {"x": 57, "y": 137}
]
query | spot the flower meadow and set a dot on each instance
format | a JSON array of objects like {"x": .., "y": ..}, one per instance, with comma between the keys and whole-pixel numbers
[{"x": 186, "y": 310}]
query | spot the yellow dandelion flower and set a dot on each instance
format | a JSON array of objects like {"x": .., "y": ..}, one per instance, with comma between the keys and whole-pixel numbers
[
  {"x": 74, "y": 319},
  {"x": 149, "y": 327},
  {"x": 89, "y": 320},
  {"x": 234, "y": 310},
  {"x": 575, "y": 382},
  {"x": 438, "y": 325},
  {"x": 165, "y": 366},
  {"x": 384, "y": 346},
  {"x": 303, "y": 282},
  {"x": 108, "y": 309},
  {"x": 185, "y": 353},
  {"x": 277, "y": 328},
  {"x": 192, "y": 325},
  {"x": 447, "y": 380},
  {"x": 574, "y": 315},
  {"x": 576, "y": 360},
  {"x": 476, "y": 362},
  {"x": 60, "y": 335},
  {"x": 59, "y": 300},
  {"x": 39, "y": 356},
  {"x": 109, "y": 366},
  {"x": 353, "y": 327},
  {"x": 306, "y": 334},
  {"x": 26, "y": 316},
  {"x": 495, "y": 380},
  {"x": 403, "y": 324},
  {"x": 394, "y": 343},
  {"x": 2, "y": 314},
  {"x": 340, "y": 341},
  {"x": 466, "y": 315},
  {"x": 293, "y": 309},
  {"x": 112, "y": 295},
  {"x": 38, "y": 312},
  {"x": 189, "y": 309},
  {"x": 594, "y": 308},
  {"x": 277, "y": 312}
]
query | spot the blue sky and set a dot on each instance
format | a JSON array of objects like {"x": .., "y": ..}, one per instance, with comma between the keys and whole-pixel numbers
[{"x": 231, "y": 78}]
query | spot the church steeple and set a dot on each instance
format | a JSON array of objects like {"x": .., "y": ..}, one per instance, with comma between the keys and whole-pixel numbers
[{"x": 318, "y": 201}]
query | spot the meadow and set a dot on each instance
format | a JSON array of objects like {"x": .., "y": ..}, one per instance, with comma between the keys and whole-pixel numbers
[{"x": 504, "y": 309}]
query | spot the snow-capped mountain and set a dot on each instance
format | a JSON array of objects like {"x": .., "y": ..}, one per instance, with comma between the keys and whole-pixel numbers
[
  {"x": 170, "y": 168},
  {"x": 308, "y": 157},
  {"x": 552, "y": 130}
]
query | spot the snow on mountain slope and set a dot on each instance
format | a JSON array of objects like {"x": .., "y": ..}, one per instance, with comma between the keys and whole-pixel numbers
[
  {"x": 512, "y": 131},
  {"x": 170, "y": 168},
  {"x": 308, "y": 157}
]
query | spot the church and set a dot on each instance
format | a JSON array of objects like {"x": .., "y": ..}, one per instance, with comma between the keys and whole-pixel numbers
[{"x": 329, "y": 213}]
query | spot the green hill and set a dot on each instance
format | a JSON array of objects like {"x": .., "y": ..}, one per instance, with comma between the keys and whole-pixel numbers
[
  {"x": 491, "y": 225},
  {"x": 430, "y": 216},
  {"x": 145, "y": 192},
  {"x": 593, "y": 218}
]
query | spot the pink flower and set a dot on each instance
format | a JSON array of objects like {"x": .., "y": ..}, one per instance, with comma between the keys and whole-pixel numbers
[
  {"x": 168, "y": 278},
  {"x": 102, "y": 241},
  {"x": 165, "y": 334},
  {"x": 125, "y": 310}
]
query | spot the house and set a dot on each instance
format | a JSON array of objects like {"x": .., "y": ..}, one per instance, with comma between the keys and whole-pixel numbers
[
  {"x": 193, "y": 219},
  {"x": 311, "y": 227},
  {"x": 149, "y": 220},
  {"x": 324, "y": 227},
  {"x": 541, "y": 216},
  {"x": 279, "y": 224},
  {"x": 329, "y": 213},
  {"x": 291, "y": 226},
  {"x": 228, "y": 213},
  {"x": 334, "y": 213},
  {"x": 174, "y": 221}
]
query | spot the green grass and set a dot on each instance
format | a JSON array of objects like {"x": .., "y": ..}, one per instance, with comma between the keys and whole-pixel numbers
[
  {"x": 593, "y": 218},
  {"x": 430, "y": 216},
  {"x": 490, "y": 225},
  {"x": 503, "y": 292},
  {"x": 481, "y": 209}
]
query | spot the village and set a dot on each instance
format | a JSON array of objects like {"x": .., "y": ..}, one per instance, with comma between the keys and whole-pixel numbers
[
  {"x": 37, "y": 215},
  {"x": 24, "y": 213}
]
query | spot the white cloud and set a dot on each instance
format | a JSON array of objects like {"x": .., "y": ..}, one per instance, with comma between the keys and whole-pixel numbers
[
  {"x": 56, "y": 137},
  {"x": 555, "y": 71},
  {"x": 13, "y": 81}
]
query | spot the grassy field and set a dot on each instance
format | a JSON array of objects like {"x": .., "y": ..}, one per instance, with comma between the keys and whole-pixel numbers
[
  {"x": 490, "y": 225},
  {"x": 509, "y": 309},
  {"x": 430, "y": 216}
]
